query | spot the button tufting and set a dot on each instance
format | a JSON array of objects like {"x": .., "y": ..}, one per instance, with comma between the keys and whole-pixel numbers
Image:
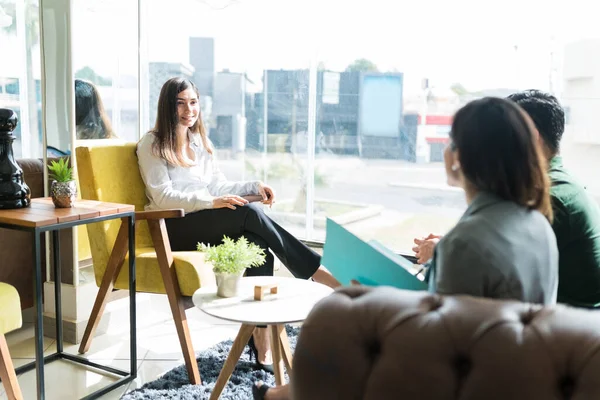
[
  {"x": 527, "y": 317},
  {"x": 436, "y": 304},
  {"x": 374, "y": 348},
  {"x": 462, "y": 365},
  {"x": 566, "y": 387}
]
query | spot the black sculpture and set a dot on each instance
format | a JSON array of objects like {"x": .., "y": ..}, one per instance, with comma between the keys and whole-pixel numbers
[{"x": 14, "y": 192}]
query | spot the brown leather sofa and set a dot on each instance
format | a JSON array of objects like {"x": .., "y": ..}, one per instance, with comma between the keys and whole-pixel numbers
[{"x": 384, "y": 343}]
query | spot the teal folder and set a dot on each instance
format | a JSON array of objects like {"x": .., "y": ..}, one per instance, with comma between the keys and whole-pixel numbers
[{"x": 347, "y": 257}]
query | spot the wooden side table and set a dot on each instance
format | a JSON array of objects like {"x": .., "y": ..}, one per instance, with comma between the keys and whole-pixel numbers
[
  {"x": 42, "y": 217},
  {"x": 294, "y": 299}
]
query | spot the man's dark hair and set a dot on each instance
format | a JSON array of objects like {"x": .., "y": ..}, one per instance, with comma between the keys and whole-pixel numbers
[{"x": 547, "y": 115}]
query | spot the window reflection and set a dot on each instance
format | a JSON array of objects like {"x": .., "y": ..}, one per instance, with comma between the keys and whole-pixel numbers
[
  {"x": 91, "y": 120},
  {"x": 106, "y": 83}
]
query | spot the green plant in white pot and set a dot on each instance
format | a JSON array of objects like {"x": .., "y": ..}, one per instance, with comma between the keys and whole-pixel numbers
[
  {"x": 230, "y": 259},
  {"x": 64, "y": 188}
]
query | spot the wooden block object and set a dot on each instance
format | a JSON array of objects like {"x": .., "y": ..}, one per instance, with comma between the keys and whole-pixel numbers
[{"x": 259, "y": 290}]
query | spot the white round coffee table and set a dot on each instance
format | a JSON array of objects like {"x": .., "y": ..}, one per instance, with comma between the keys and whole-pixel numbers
[{"x": 293, "y": 301}]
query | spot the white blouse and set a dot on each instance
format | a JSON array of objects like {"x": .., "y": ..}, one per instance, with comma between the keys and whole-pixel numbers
[{"x": 191, "y": 188}]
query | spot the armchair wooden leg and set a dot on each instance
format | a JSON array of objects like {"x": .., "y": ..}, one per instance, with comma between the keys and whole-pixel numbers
[
  {"x": 113, "y": 267},
  {"x": 162, "y": 246},
  {"x": 7, "y": 372}
]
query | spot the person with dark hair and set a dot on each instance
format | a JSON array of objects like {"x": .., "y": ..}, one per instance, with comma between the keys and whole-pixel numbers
[
  {"x": 576, "y": 222},
  {"x": 178, "y": 166},
  {"x": 548, "y": 117},
  {"x": 576, "y": 213},
  {"x": 503, "y": 246},
  {"x": 91, "y": 120}
]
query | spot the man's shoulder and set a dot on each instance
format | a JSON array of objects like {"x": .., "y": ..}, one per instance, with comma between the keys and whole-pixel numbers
[
  {"x": 570, "y": 199},
  {"x": 564, "y": 187}
]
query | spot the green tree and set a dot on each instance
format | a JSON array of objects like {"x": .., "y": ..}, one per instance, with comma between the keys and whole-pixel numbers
[
  {"x": 362, "y": 65},
  {"x": 32, "y": 39},
  {"x": 291, "y": 169},
  {"x": 459, "y": 89},
  {"x": 89, "y": 74}
]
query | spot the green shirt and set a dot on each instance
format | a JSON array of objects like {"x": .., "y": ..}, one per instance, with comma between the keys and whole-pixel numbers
[{"x": 577, "y": 229}]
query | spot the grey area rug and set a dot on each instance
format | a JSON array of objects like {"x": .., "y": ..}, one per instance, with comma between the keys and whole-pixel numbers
[{"x": 175, "y": 385}]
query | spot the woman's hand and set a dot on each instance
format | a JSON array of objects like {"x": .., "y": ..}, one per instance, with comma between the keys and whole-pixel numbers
[
  {"x": 424, "y": 248},
  {"x": 229, "y": 201},
  {"x": 267, "y": 194}
]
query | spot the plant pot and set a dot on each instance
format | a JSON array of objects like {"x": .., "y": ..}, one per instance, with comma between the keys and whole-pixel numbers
[
  {"x": 63, "y": 193},
  {"x": 228, "y": 284}
]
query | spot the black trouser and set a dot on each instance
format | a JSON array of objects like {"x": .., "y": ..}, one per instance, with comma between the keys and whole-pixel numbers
[{"x": 209, "y": 227}]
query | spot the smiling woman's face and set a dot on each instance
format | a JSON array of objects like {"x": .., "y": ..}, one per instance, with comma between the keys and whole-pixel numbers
[{"x": 188, "y": 107}]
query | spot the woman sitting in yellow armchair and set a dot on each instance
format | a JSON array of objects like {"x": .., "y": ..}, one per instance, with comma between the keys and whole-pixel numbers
[{"x": 178, "y": 166}]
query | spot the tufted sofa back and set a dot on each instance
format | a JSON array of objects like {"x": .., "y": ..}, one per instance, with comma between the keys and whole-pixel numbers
[{"x": 385, "y": 343}]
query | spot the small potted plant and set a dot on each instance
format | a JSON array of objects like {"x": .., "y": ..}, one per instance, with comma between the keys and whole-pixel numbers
[
  {"x": 64, "y": 188},
  {"x": 230, "y": 260}
]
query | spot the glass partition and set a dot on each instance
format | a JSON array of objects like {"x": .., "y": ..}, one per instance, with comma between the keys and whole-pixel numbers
[
  {"x": 105, "y": 63},
  {"x": 345, "y": 107},
  {"x": 20, "y": 73}
]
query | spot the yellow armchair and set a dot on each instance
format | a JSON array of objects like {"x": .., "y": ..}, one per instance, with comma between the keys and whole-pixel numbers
[
  {"x": 10, "y": 319},
  {"x": 108, "y": 171}
]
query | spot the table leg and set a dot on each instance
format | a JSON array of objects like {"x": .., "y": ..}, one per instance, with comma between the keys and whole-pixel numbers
[
  {"x": 132, "y": 294},
  {"x": 277, "y": 356},
  {"x": 234, "y": 355},
  {"x": 285, "y": 347},
  {"x": 39, "y": 315},
  {"x": 57, "y": 290}
]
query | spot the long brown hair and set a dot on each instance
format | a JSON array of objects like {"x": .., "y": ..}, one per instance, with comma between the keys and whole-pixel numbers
[
  {"x": 166, "y": 145},
  {"x": 500, "y": 154}
]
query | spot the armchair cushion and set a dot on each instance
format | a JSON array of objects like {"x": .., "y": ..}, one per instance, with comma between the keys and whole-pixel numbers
[
  {"x": 192, "y": 272},
  {"x": 10, "y": 309}
]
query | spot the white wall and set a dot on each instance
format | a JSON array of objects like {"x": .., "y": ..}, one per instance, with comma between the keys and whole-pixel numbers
[{"x": 581, "y": 98}]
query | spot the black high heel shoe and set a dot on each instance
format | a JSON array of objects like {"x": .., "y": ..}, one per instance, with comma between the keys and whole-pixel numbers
[
  {"x": 258, "y": 365},
  {"x": 259, "y": 393}
]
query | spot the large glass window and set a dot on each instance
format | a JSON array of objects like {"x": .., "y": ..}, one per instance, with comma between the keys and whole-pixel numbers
[
  {"x": 105, "y": 64},
  {"x": 345, "y": 107},
  {"x": 20, "y": 72}
]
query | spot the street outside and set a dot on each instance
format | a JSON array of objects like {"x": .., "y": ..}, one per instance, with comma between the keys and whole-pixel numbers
[{"x": 414, "y": 198}]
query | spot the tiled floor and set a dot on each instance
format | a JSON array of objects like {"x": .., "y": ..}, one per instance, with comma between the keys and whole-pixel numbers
[{"x": 158, "y": 349}]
